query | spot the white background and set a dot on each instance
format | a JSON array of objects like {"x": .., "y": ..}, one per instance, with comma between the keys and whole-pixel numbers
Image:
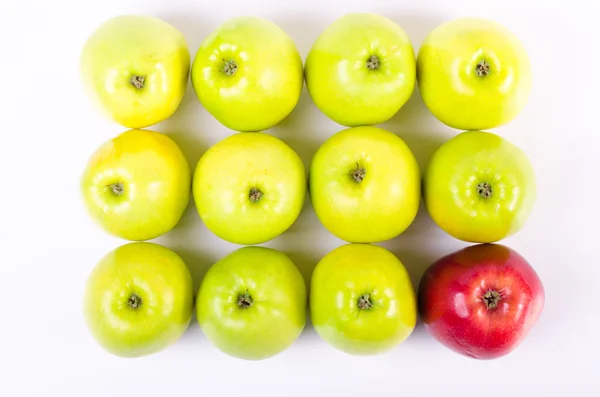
[{"x": 49, "y": 245}]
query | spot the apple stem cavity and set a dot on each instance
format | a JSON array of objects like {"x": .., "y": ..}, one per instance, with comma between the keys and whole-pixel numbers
[
  {"x": 373, "y": 62},
  {"x": 134, "y": 301},
  {"x": 364, "y": 302},
  {"x": 491, "y": 299},
  {"x": 137, "y": 81},
  {"x": 244, "y": 300},
  {"x": 358, "y": 174},
  {"x": 484, "y": 190},
  {"x": 117, "y": 188},
  {"x": 229, "y": 67},
  {"x": 255, "y": 195},
  {"x": 482, "y": 69}
]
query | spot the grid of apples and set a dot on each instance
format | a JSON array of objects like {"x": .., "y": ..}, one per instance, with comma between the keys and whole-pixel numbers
[{"x": 364, "y": 185}]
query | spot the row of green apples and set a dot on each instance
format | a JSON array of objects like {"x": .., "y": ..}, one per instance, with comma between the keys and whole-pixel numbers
[
  {"x": 364, "y": 184},
  {"x": 473, "y": 73}
]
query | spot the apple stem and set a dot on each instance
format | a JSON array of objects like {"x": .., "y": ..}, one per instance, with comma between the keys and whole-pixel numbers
[
  {"x": 483, "y": 68},
  {"x": 484, "y": 190},
  {"x": 229, "y": 67},
  {"x": 364, "y": 302},
  {"x": 137, "y": 81},
  {"x": 255, "y": 195},
  {"x": 244, "y": 300},
  {"x": 358, "y": 174},
  {"x": 491, "y": 299},
  {"x": 373, "y": 62},
  {"x": 134, "y": 301},
  {"x": 117, "y": 188}
]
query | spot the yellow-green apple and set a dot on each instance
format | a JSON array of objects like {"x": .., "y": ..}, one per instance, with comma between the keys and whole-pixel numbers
[
  {"x": 252, "y": 303},
  {"x": 138, "y": 299},
  {"x": 135, "y": 69},
  {"x": 362, "y": 301},
  {"x": 361, "y": 69},
  {"x": 479, "y": 187},
  {"x": 248, "y": 74},
  {"x": 473, "y": 74},
  {"x": 481, "y": 301},
  {"x": 365, "y": 185},
  {"x": 249, "y": 188},
  {"x": 137, "y": 185}
]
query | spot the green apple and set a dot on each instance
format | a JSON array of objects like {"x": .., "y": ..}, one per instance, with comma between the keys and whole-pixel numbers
[
  {"x": 361, "y": 70},
  {"x": 473, "y": 74},
  {"x": 249, "y": 188},
  {"x": 135, "y": 69},
  {"x": 365, "y": 185},
  {"x": 362, "y": 301},
  {"x": 137, "y": 185},
  {"x": 479, "y": 187},
  {"x": 138, "y": 300},
  {"x": 248, "y": 74},
  {"x": 251, "y": 304}
]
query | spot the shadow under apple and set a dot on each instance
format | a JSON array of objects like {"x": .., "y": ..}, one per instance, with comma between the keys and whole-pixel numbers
[
  {"x": 191, "y": 240},
  {"x": 305, "y": 261},
  {"x": 415, "y": 125},
  {"x": 304, "y": 129}
]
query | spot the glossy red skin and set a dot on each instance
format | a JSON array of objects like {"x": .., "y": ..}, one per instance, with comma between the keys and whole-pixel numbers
[{"x": 451, "y": 305}]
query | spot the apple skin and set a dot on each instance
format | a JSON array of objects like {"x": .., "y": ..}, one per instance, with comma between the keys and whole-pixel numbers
[
  {"x": 264, "y": 85},
  {"x": 135, "y": 45},
  {"x": 147, "y": 275},
  {"x": 453, "y": 308},
  {"x": 341, "y": 83},
  {"x": 252, "y": 303},
  {"x": 153, "y": 185},
  {"x": 339, "y": 281},
  {"x": 380, "y": 206},
  {"x": 461, "y": 166},
  {"x": 458, "y": 91},
  {"x": 226, "y": 177}
]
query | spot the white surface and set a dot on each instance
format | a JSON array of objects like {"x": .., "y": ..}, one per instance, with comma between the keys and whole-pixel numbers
[{"x": 49, "y": 245}]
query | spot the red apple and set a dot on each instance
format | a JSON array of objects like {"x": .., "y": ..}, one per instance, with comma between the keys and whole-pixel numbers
[{"x": 481, "y": 301}]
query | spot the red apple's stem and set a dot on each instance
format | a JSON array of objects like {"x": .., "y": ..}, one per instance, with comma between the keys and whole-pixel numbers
[
  {"x": 137, "y": 81},
  {"x": 117, "y": 188},
  {"x": 358, "y": 174},
  {"x": 134, "y": 301},
  {"x": 484, "y": 190},
  {"x": 364, "y": 302},
  {"x": 483, "y": 68},
  {"x": 373, "y": 62},
  {"x": 491, "y": 299},
  {"x": 255, "y": 195},
  {"x": 229, "y": 67},
  {"x": 244, "y": 300}
]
